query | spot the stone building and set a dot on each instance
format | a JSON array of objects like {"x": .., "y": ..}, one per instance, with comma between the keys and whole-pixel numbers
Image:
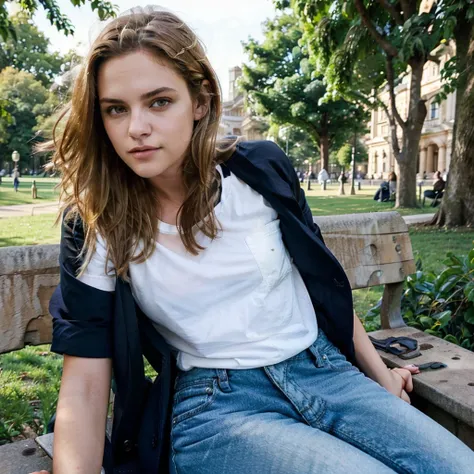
[
  {"x": 235, "y": 119},
  {"x": 437, "y": 134}
]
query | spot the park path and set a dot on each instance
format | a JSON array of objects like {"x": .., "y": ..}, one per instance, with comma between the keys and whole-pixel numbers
[
  {"x": 52, "y": 207},
  {"x": 19, "y": 210}
]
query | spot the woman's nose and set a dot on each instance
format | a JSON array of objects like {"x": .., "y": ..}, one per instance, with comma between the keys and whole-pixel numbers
[{"x": 139, "y": 126}]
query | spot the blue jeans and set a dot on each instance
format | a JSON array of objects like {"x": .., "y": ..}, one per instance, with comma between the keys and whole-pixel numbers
[{"x": 312, "y": 413}]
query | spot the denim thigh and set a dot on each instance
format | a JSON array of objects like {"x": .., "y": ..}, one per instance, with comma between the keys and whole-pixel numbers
[{"x": 312, "y": 413}]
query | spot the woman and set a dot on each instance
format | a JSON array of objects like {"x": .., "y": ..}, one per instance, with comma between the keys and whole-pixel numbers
[{"x": 219, "y": 252}]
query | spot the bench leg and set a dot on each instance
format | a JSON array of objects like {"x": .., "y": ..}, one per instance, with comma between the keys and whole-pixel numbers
[{"x": 390, "y": 312}]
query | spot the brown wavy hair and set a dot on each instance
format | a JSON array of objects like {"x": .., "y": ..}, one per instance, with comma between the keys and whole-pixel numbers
[{"x": 97, "y": 185}]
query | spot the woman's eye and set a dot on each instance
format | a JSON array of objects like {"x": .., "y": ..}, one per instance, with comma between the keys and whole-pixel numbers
[
  {"x": 160, "y": 103},
  {"x": 115, "y": 110}
]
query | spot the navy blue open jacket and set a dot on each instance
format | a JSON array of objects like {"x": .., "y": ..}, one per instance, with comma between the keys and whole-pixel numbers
[{"x": 88, "y": 322}]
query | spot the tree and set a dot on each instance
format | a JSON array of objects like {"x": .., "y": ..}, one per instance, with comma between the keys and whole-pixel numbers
[
  {"x": 279, "y": 83},
  {"x": 26, "y": 99},
  {"x": 103, "y": 8},
  {"x": 300, "y": 145},
  {"x": 369, "y": 43},
  {"x": 30, "y": 51},
  {"x": 457, "y": 205}
]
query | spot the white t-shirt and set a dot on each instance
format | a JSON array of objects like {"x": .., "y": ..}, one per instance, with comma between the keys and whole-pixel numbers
[{"x": 239, "y": 304}]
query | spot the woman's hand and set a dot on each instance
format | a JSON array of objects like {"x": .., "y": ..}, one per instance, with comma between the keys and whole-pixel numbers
[{"x": 400, "y": 382}]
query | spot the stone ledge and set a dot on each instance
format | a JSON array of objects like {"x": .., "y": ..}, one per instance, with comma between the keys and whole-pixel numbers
[
  {"x": 451, "y": 389},
  {"x": 23, "y": 457}
]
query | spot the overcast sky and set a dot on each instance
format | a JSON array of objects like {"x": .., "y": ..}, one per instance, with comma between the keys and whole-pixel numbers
[{"x": 220, "y": 24}]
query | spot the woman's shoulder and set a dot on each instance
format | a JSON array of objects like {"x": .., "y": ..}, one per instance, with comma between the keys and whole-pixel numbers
[{"x": 265, "y": 153}]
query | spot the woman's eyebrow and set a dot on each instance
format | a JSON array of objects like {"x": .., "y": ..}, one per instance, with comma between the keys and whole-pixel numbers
[{"x": 146, "y": 95}]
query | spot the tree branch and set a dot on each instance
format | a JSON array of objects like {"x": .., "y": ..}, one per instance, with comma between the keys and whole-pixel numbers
[
  {"x": 391, "y": 89},
  {"x": 381, "y": 41},
  {"x": 394, "y": 13}
]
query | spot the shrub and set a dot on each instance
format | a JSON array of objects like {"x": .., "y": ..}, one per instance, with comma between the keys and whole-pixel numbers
[{"x": 439, "y": 304}]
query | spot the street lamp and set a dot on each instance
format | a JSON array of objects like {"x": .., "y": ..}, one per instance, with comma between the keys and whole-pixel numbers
[{"x": 15, "y": 158}]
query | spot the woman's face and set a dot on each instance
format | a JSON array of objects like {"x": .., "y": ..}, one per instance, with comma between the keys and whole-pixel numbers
[{"x": 148, "y": 113}]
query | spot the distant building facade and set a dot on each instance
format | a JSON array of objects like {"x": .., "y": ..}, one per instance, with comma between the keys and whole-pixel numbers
[
  {"x": 437, "y": 134},
  {"x": 235, "y": 119}
]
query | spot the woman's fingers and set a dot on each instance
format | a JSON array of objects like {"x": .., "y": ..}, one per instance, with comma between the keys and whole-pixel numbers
[
  {"x": 412, "y": 368},
  {"x": 405, "y": 374}
]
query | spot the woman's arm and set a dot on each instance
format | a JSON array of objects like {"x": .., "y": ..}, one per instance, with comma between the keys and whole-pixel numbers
[
  {"x": 397, "y": 381},
  {"x": 79, "y": 432}
]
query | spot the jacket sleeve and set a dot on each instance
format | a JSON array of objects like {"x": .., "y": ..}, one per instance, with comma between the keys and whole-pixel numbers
[{"x": 82, "y": 315}]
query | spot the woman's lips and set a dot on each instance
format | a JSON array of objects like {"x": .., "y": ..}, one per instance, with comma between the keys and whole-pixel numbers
[{"x": 142, "y": 155}]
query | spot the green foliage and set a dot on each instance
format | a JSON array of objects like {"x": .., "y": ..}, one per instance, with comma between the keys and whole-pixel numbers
[
  {"x": 26, "y": 101},
  {"x": 300, "y": 146},
  {"x": 344, "y": 154},
  {"x": 281, "y": 84},
  {"x": 103, "y": 8},
  {"x": 441, "y": 304},
  {"x": 29, "y": 52}
]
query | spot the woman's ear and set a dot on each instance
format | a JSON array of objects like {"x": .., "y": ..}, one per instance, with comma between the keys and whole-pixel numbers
[{"x": 203, "y": 101}]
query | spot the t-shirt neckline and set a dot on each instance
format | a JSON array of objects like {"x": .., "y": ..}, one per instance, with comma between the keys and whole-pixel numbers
[{"x": 170, "y": 229}]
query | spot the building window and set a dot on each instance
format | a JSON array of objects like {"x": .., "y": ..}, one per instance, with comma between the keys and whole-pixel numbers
[{"x": 434, "y": 110}]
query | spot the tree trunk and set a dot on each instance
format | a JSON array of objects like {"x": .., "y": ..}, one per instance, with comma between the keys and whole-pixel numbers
[
  {"x": 457, "y": 205},
  {"x": 407, "y": 157},
  {"x": 324, "y": 147}
]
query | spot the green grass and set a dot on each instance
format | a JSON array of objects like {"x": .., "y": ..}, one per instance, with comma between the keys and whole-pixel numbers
[
  {"x": 327, "y": 203},
  {"x": 28, "y": 230},
  {"x": 45, "y": 190},
  {"x": 29, "y": 384}
]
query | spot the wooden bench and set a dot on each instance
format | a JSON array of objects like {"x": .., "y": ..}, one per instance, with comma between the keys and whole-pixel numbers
[{"x": 374, "y": 249}]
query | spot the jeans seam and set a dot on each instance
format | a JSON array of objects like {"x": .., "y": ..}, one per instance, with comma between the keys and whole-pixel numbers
[
  {"x": 193, "y": 383},
  {"x": 317, "y": 421},
  {"x": 173, "y": 452},
  {"x": 285, "y": 389},
  {"x": 368, "y": 448},
  {"x": 195, "y": 411}
]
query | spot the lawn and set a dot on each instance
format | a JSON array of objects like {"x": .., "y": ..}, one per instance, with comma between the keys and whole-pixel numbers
[
  {"x": 29, "y": 384},
  {"x": 45, "y": 190},
  {"x": 28, "y": 230},
  {"x": 29, "y": 379},
  {"x": 327, "y": 203}
]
